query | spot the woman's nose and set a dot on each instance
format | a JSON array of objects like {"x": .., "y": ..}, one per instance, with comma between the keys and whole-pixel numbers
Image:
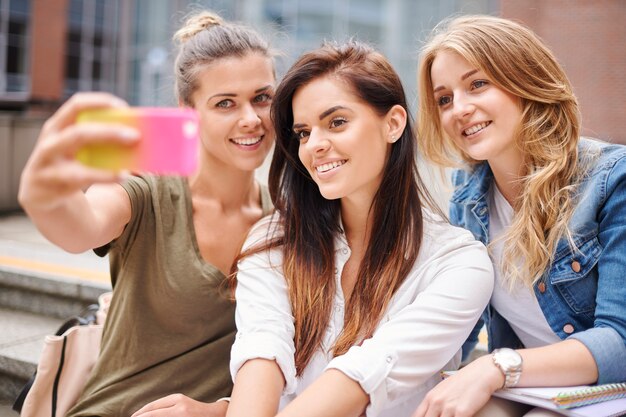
[{"x": 249, "y": 118}]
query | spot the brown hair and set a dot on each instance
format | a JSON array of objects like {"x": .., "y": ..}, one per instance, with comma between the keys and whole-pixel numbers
[
  {"x": 307, "y": 222},
  {"x": 204, "y": 38}
]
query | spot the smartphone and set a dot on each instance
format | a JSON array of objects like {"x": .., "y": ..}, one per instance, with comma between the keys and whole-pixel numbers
[{"x": 168, "y": 145}]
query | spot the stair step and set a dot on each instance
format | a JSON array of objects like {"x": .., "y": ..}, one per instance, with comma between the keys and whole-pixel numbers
[
  {"x": 21, "y": 343},
  {"x": 34, "y": 304},
  {"x": 6, "y": 411},
  {"x": 46, "y": 294}
]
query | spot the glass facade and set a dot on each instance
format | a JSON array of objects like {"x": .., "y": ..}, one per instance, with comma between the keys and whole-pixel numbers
[
  {"x": 14, "y": 43},
  {"x": 125, "y": 46},
  {"x": 91, "y": 41},
  {"x": 395, "y": 27}
]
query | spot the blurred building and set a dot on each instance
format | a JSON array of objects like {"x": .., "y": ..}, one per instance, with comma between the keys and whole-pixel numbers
[{"x": 50, "y": 49}]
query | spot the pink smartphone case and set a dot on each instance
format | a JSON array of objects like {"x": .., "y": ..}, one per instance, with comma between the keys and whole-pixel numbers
[{"x": 168, "y": 145}]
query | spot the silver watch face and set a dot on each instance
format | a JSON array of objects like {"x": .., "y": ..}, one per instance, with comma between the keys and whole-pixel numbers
[{"x": 508, "y": 359}]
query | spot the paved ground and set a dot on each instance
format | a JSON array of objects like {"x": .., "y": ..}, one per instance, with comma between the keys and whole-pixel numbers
[
  {"x": 5, "y": 411},
  {"x": 23, "y": 247}
]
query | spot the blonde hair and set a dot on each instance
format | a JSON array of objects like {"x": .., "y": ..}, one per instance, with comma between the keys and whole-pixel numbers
[
  {"x": 517, "y": 61},
  {"x": 204, "y": 38}
]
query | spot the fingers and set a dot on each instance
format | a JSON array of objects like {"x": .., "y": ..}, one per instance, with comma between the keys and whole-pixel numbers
[
  {"x": 421, "y": 410},
  {"x": 53, "y": 163},
  {"x": 160, "y": 404},
  {"x": 74, "y": 175},
  {"x": 66, "y": 115},
  {"x": 179, "y": 405},
  {"x": 52, "y": 172},
  {"x": 74, "y": 137}
]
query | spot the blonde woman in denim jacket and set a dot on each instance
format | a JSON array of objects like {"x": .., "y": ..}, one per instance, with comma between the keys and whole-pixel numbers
[{"x": 551, "y": 207}]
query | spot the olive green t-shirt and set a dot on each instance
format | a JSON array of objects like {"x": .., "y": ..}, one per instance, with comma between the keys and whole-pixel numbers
[{"x": 170, "y": 325}]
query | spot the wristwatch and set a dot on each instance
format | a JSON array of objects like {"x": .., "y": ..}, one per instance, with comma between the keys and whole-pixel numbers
[{"x": 510, "y": 363}]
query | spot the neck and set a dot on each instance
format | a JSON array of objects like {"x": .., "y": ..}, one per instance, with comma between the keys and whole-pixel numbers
[
  {"x": 230, "y": 187},
  {"x": 357, "y": 221},
  {"x": 508, "y": 175}
]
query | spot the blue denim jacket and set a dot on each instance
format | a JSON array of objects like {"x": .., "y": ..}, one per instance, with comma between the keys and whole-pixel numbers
[{"x": 584, "y": 297}]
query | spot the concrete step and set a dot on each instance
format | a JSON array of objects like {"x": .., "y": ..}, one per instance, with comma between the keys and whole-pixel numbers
[
  {"x": 34, "y": 304},
  {"x": 21, "y": 342},
  {"x": 6, "y": 411},
  {"x": 46, "y": 294}
]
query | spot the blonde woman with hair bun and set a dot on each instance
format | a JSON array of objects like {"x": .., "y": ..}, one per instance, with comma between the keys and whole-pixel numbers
[
  {"x": 549, "y": 204},
  {"x": 171, "y": 240}
]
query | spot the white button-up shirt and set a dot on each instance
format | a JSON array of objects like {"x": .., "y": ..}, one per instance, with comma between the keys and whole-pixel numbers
[{"x": 421, "y": 333}]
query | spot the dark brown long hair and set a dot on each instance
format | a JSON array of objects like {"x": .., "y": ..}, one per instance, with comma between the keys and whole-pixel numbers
[{"x": 307, "y": 223}]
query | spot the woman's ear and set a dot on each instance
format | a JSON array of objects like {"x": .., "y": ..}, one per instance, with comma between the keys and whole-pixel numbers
[{"x": 396, "y": 122}]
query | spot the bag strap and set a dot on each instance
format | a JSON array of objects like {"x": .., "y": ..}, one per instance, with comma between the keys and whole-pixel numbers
[
  {"x": 57, "y": 378},
  {"x": 19, "y": 401},
  {"x": 87, "y": 316}
]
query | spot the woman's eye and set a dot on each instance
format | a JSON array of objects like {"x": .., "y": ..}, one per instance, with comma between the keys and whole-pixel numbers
[
  {"x": 263, "y": 98},
  {"x": 301, "y": 134},
  {"x": 337, "y": 121},
  {"x": 443, "y": 100},
  {"x": 478, "y": 84},
  {"x": 225, "y": 104}
]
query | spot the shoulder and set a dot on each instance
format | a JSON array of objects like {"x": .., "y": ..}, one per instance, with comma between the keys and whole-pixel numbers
[
  {"x": 262, "y": 231},
  {"x": 450, "y": 256},
  {"x": 257, "y": 252},
  {"x": 604, "y": 164},
  {"x": 266, "y": 200},
  {"x": 471, "y": 182},
  {"x": 440, "y": 238},
  {"x": 153, "y": 185},
  {"x": 601, "y": 156}
]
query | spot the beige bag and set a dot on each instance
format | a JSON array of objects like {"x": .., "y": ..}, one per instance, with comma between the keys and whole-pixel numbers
[{"x": 65, "y": 365}]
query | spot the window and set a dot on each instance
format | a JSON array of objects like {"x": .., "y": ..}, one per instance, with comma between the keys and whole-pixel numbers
[
  {"x": 91, "y": 45},
  {"x": 14, "y": 41}
]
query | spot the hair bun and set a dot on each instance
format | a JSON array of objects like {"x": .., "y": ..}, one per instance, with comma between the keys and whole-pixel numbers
[{"x": 197, "y": 23}]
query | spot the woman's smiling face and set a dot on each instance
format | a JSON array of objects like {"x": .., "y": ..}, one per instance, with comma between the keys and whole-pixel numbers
[
  {"x": 480, "y": 117},
  {"x": 344, "y": 143}
]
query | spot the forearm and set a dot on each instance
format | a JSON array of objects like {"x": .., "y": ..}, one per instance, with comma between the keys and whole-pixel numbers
[
  {"x": 565, "y": 363},
  {"x": 72, "y": 214},
  {"x": 561, "y": 364},
  {"x": 258, "y": 387},
  {"x": 79, "y": 221},
  {"x": 332, "y": 394}
]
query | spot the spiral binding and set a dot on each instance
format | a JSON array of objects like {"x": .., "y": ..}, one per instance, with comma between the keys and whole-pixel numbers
[{"x": 591, "y": 395}]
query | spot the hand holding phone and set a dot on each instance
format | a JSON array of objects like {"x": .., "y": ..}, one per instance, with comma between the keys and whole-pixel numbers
[{"x": 168, "y": 145}]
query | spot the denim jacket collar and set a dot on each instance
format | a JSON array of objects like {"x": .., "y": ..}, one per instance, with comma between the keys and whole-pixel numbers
[{"x": 471, "y": 193}]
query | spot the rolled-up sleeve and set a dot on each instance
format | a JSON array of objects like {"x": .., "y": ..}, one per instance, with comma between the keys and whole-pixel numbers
[
  {"x": 607, "y": 339},
  {"x": 263, "y": 316},
  {"x": 417, "y": 340}
]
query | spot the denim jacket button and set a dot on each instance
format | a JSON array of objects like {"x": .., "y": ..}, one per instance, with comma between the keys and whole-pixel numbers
[
  {"x": 568, "y": 328},
  {"x": 576, "y": 266},
  {"x": 542, "y": 287}
]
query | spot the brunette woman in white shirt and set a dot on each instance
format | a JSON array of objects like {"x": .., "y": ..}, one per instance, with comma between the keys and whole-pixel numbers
[{"x": 354, "y": 295}]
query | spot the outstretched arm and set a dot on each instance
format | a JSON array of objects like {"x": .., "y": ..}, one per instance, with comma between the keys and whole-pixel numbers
[{"x": 53, "y": 181}]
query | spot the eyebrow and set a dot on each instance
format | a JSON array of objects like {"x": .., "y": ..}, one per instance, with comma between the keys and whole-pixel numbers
[
  {"x": 267, "y": 87},
  {"x": 463, "y": 77},
  {"x": 324, "y": 114},
  {"x": 331, "y": 111},
  {"x": 258, "y": 90},
  {"x": 469, "y": 74}
]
